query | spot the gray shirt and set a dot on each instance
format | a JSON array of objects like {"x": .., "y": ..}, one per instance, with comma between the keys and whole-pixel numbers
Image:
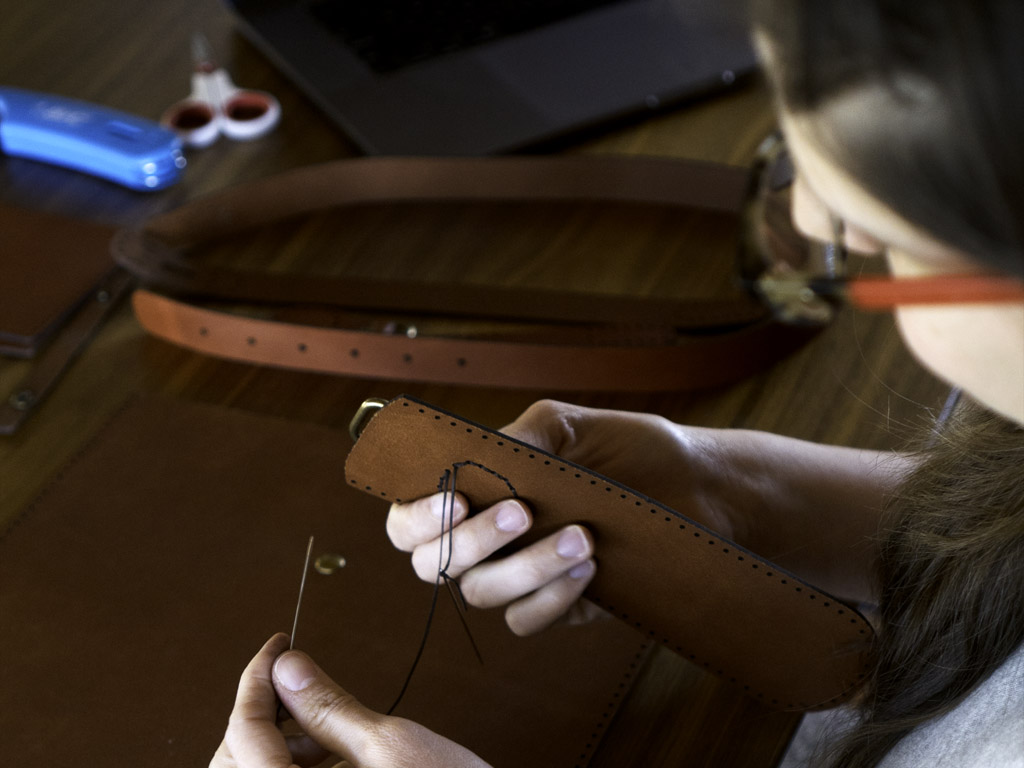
[{"x": 985, "y": 731}]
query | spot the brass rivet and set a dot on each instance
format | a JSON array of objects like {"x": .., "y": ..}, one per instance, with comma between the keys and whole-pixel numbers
[
  {"x": 23, "y": 400},
  {"x": 328, "y": 563}
]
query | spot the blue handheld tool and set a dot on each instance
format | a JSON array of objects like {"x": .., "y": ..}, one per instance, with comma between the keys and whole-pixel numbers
[{"x": 123, "y": 148}]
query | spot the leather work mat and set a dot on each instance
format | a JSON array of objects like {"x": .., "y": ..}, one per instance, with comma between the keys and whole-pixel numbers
[{"x": 136, "y": 588}]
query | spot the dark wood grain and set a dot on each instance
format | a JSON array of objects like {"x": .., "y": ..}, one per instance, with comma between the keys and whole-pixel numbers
[{"x": 854, "y": 385}]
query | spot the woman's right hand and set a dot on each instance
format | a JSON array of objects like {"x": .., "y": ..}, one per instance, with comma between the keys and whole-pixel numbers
[{"x": 543, "y": 582}]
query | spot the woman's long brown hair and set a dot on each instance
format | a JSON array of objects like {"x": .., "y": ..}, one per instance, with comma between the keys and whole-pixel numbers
[{"x": 951, "y": 583}]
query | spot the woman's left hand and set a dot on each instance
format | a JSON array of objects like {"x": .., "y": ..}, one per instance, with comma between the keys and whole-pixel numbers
[{"x": 332, "y": 722}]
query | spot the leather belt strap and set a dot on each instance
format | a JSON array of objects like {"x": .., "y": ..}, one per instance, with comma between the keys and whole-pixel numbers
[
  {"x": 163, "y": 256},
  {"x": 168, "y": 269},
  {"x": 690, "y": 364}
]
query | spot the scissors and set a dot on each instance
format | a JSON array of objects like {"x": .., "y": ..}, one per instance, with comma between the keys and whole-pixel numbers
[{"x": 217, "y": 106}]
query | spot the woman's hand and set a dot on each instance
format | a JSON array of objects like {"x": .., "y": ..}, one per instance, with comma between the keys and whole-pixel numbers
[
  {"x": 332, "y": 722},
  {"x": 543, "y": 583}
]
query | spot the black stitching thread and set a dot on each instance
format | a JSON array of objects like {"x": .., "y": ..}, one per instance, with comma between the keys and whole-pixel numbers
[
  {"x": 488, "y": 470},
  {"x": 448, "y": 484}
]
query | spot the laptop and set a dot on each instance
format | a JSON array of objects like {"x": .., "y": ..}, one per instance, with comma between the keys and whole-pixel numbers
[{"x": 479, "y": 77}]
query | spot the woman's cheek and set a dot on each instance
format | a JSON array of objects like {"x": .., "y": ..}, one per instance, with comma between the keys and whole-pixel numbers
[
  {"x": 923, "y": 334},
  {"x": 979, "y": 349}
]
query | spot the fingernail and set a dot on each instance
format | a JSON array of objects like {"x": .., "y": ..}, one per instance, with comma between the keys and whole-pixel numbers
[
  {"x": 295, "y": 671},
  {"x": 511, "y": 518},
  {"x": 572, "y": 543},
  {"x": 582, "y": 571},
  {"x": 442, "y": 504}
]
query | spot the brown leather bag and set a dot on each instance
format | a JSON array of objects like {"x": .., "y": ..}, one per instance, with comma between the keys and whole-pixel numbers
[{"x": 136, "y": 588}]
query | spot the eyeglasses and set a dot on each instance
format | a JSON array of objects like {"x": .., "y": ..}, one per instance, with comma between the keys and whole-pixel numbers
[{"x": 805, "y": 280}]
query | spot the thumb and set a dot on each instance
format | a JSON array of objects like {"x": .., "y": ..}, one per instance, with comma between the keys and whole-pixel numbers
[
  {"x": 547, "y": 424},
  {"x": 335, "y": 720},
  {"x": 327, "y": 713}
]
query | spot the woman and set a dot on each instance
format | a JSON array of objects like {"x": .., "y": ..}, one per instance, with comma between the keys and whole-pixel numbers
[{"x": 904, "y": 121}]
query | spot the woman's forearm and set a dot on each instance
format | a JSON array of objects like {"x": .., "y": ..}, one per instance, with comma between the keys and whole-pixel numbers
[{"x": 812, "y": 509}]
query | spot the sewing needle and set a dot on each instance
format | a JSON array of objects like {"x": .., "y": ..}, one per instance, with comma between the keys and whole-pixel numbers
[{"x": 302, "y": 588}]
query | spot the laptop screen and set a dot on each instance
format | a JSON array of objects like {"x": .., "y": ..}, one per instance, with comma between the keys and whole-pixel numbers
[
  {"x": 391, "y": 34},
  {"x": 473, "y": 77}
]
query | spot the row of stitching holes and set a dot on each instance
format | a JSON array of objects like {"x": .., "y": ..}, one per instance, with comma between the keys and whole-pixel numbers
[
  {"x": 501, "y": 443},
  {"x": 654, "y": 511},
  {"x": 755, "y": 566},
  {"x": 682, "y": 526},
  {"x": 483, "y": 436},
  {"x": 711, "y": 542},
  {"x": 252, "y": 341},
  {"x": 369, "y": 489}
]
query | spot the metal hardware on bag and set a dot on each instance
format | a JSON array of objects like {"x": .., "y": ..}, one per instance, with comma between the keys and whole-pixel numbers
[
  {"x": 401, "y": 329},
  {"x": 22, "y": 401},
  {"x": 369, "y": 407},
  {"x": 328, "y": 563}
]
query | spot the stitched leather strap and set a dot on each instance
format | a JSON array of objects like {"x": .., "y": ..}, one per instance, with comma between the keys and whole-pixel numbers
[
  {"x": 541, "y": 357},
  {"x": 708, "y": 599},
  {"x": 688, "y": 364}
]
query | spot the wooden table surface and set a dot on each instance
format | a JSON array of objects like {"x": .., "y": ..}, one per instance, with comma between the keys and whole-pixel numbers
[{"x": 853, "y": 385}]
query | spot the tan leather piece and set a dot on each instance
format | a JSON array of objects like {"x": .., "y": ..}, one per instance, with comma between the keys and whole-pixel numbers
[
  {"x": 728, "y": 610},
  {"x": 138, "y": 585}
]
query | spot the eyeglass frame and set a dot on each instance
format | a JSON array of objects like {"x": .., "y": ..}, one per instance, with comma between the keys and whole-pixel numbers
[{"x": 813, "y": 298}]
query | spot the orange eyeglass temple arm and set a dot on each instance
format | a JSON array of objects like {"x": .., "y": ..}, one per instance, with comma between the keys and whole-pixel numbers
[{"x": 887, "y": 292}]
